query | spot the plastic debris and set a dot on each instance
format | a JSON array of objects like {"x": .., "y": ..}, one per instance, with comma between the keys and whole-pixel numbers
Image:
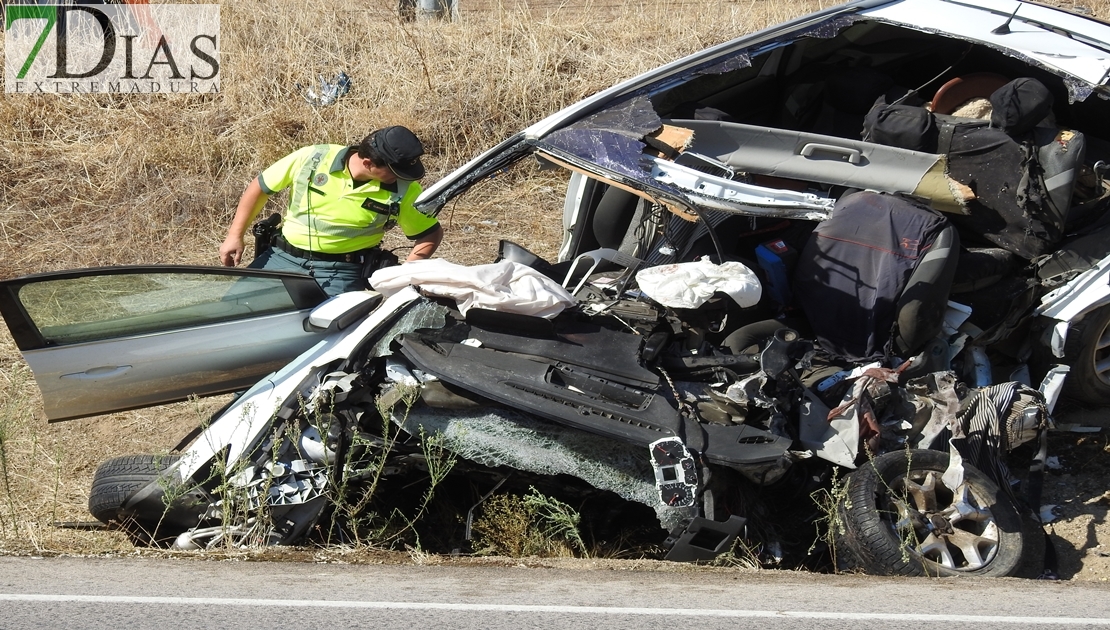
[
  {"x": 329, "y": 92},
  {"x": 1048, "y": 513}
]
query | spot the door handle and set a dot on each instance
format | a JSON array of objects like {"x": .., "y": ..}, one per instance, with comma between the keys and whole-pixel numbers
[
  {"x": 107, "y": 371},
  {"x": 854, "y": 155}
]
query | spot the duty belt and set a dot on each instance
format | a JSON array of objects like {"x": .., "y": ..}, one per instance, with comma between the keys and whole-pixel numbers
[{"x": 356, "y": 257}]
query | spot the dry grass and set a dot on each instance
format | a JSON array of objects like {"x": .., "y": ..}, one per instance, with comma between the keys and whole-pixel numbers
[{"x": 95, "y": 180}]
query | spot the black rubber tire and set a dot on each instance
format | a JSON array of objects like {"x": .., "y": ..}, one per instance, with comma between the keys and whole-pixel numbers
[
  {"x": 1085, "y": 383},
  {"x": 868, "y": 539},
  {"x": 120, "y": 477}
]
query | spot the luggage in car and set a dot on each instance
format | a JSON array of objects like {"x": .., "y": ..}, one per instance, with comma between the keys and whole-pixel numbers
[
  {"x": 1020, "y": 167},
  {"x": 902, "y": 126}
]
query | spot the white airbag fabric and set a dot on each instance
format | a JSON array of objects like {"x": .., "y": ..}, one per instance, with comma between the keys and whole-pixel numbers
[
  {"x": 689, "y": 285},
  {"x": 505, "y": 286}
]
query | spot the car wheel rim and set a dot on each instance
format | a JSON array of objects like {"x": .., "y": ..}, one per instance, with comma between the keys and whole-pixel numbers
[
  {"x": 944, "y": 527},
  {"x": 1101, "y": 355}
]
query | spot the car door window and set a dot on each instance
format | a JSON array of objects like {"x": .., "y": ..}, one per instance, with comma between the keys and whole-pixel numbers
[{"x": 79, "y": 309}]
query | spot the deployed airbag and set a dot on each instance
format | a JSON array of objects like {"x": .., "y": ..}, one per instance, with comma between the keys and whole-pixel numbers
[
  {"x": 689, "y": 285},
  {"x": 504, "y": 286}
]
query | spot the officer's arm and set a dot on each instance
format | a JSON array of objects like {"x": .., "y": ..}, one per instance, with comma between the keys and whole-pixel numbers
[
  {"x": 426, "y": 245},
  {"x": 250, "y": 204}
]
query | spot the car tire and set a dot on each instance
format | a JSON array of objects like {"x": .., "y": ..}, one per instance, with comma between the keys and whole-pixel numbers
[
  {"x": 120, "y": 477},
  {"x": 1089, "y": 345},
  {"x": 887, "y": 520}
]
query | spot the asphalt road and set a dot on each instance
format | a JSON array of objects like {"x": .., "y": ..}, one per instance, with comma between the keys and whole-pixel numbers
[{"x": 91, "y": 593}]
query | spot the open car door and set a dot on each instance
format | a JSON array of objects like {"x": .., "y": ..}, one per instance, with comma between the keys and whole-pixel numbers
[{"x": 115, "y": 338}]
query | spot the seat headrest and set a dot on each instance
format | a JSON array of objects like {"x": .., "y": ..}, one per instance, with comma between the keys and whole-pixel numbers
[{"x": 1020, "y": 105}]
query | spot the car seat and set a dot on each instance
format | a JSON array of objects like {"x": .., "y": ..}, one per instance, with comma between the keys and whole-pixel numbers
[
  {"x": 874, "y": 278},
  {"x": 1021, "y": 167},
  {"x": 613, "y": 216}
]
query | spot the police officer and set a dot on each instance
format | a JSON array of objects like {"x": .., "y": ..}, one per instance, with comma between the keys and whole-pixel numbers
[{"x": 342, "y": 201}]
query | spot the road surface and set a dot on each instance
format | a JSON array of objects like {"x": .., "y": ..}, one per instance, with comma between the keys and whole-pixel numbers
[{"x": 92, "y": 593}]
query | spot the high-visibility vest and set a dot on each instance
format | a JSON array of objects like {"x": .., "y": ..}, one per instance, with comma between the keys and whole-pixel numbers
[{"x": 328, "y": 214}]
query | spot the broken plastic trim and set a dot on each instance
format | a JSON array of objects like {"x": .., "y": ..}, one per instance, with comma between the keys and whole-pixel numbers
[
  {"x": 701, "y": 539},
  {"x": 676, "y": 472},
  {"x": 673, "y": 199}
]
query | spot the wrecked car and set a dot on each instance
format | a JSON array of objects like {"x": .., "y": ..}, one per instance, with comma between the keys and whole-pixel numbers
[{"x": 861, "y": 253}]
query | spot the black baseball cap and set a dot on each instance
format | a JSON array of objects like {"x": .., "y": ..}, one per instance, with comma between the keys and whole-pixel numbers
[{"x": 399, "y": 148}]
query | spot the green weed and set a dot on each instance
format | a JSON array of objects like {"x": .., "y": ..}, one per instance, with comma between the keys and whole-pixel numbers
[
  {"x": 830, "y": 525},
  {"x": 529, "y": 525}
]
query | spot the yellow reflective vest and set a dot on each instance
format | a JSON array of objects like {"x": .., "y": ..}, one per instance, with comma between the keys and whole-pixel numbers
[{"x": 328, "y": 214}]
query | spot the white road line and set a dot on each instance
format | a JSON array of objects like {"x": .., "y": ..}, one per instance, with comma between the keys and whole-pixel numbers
[{"x": 580, "y": 610}]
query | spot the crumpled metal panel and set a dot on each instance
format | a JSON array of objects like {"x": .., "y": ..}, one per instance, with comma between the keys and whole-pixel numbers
[
  {"x": 423, "y": 313},
  {"x": 612, "y": 140}
]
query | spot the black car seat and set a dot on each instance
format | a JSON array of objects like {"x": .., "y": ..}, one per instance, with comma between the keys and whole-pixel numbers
[
  {"x": 874, "y": 278},
  {"x": 613, "y": 216}
]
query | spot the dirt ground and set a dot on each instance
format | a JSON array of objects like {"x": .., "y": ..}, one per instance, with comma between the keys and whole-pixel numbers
[{"x": 1080, "y": 489}]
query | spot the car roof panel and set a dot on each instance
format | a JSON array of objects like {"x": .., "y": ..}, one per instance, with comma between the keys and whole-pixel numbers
[{"x": 1030, "y": 34}]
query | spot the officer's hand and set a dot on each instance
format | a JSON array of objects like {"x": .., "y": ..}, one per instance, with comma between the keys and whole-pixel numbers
[{"x": 231, "y": 251}]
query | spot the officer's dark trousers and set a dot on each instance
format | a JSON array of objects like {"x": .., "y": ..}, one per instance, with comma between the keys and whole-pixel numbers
[{"x": 333, "y": 277}]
